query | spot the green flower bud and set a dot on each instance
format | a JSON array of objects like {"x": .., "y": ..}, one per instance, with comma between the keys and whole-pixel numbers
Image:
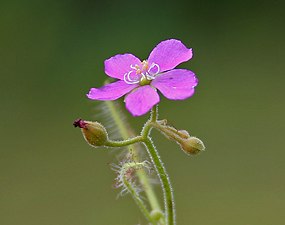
[
  {"x": 192, "y": 145},
  {"x": 93, "y": 132}
]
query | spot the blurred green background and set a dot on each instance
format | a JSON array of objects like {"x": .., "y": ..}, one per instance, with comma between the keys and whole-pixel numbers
[{"x": 52, "y": 52}]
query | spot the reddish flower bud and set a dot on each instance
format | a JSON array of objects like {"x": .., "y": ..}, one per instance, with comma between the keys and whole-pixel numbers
[{"x": 93, "y": 132}]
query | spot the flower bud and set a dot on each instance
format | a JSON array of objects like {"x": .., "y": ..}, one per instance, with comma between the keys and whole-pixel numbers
[
  {"x": 93, "y": 132},
  {"x": 192, "y": 145}
]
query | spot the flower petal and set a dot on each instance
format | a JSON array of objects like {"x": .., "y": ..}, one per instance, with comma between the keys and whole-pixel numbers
[
  {"x": 176, "y": 84},
  {"x": 111, "y": 91},
  {"x": 141, "y": 100},
  {"x": 118, "y": 65},
  {"x": 168, "y": 54}
]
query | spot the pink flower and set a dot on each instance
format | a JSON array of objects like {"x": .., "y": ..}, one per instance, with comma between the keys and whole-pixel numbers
[{"x": 141, "y": 79}]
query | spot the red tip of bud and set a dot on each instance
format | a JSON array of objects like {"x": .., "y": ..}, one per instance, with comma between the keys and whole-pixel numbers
[
  {"x": 79, "y": 123},
  {"x": 94, "y": 133}
]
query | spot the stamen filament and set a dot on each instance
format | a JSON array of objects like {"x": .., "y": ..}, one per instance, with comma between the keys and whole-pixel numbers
[{"x": 128, "y": 79}]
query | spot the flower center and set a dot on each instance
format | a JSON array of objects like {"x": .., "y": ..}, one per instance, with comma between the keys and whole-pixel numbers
[
  {"x": 142, "y": 74},
  {"x": 144, "y": 81}
]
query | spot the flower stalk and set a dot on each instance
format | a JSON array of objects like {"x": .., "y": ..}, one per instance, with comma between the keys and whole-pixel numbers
[
  {"x": 125, "y": 180},
  {"x": 155, "y": 158},
  {"x": 190, "y": 145},
  {"x": 165, "y": 182},
  {"x": 125, "y": 132}
]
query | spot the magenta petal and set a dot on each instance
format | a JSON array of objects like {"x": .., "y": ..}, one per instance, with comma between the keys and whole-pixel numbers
[
  {"x": 141, "y": 100},
  {"x": 110, "y": 91},
  {"x": 168, "y": 54},
  {"x": 176, "y": 84},
  {"x": 118, "y": 65}
]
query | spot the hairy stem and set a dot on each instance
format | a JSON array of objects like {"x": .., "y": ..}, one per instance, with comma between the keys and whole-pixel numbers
[
  {"x": 155, "y": 158},
  {"x": 139, "y": 202},
  {"x": 125, "y": 132},
  {"x": 161, "y": 171},
  {"x": 154, "y": 114},
  {"x": 124, "y": 143},
  {"x": 133, "y": 192}
]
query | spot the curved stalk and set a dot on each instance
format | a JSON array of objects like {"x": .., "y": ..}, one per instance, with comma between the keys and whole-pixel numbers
[
  {"x": 142, "y": 176},
  {"x": 124, "y": 143},
  {"x": 129, "y": 186},
  {"x": 161, "y": 171}
]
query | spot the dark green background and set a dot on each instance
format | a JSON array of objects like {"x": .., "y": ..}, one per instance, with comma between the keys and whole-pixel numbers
[{"x": 52, "y": 52}]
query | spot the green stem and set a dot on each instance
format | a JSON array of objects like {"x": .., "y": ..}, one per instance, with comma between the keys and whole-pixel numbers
[
  {"x": 165, "y": 182},
  {"x": 154, "y": 156},
  {"x": 124, "y": 143},
  {"x": 143, "y": 178},
  {"x": 161, "y": 171},
  {"x": 133, "y": 192},
  {"x": 154, "y": 114},
  {"x": 150, "y": 194},
  {"x": 139, "y": 202},
  {"x": 153, "y": 118}
]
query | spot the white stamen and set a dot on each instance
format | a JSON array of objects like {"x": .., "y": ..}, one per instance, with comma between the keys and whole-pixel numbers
[
  {"x": 133, "y": 67},
  {"x": 129, "y": 80},
  {"x": 149, "y": 75},
  {"x": 152, "y": 66},
  {"x": 144, "y": 76}
]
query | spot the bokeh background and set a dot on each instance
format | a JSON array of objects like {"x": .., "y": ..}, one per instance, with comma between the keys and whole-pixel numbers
[{"x": 52, "y": 52}]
